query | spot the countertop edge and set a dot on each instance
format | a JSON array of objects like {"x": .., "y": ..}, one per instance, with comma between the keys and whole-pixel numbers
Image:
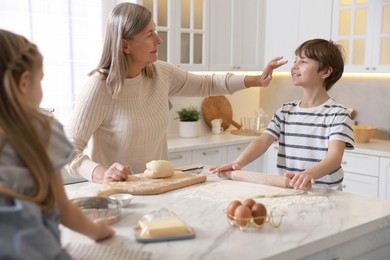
[
  {"x": 375, "y": 147},
  {"x": 335, "y": 240}
]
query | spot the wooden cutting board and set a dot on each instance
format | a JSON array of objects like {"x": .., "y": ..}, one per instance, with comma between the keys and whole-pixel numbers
[
  {"x": 139, "y": 184},
  {"x": 218, "y": 107}
]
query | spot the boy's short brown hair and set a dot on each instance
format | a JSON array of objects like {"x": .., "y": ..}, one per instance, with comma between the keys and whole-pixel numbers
[{"x": 328, "y": 54}]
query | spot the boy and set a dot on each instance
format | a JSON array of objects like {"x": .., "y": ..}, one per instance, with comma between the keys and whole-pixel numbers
[{"x": 312, "y": 132}]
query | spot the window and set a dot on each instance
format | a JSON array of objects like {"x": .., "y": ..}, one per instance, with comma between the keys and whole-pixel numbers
[{"x": 69, "y": 34}]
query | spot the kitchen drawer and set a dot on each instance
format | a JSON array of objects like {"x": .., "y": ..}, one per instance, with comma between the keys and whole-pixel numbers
[
  {"x": 181, "y": 158},
  {"x": 211, "y": 156},
  {"x": 384, "y": 177},
  {"x": 68, "y": 179},
  {"x": 233, "y": 151},
  {"x": 270, "y": 160},
  {"x": 361, "y": 184},
  {"x": 362, "y": 164}
]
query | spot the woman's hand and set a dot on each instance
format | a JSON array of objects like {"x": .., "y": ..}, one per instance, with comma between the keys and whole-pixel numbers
[
  {"x": 302, "y": 181},
  {"x": 265, "y": 78},
  {"x": 117, "y": 172}
]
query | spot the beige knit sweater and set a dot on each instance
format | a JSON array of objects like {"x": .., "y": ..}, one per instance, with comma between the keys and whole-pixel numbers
[{"x": 131, "y": 129}]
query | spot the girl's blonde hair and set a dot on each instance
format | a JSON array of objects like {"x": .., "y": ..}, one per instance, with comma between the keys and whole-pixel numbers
[
  {"x": 22, "y": 126},
  {"x": 124, "y": 22}
]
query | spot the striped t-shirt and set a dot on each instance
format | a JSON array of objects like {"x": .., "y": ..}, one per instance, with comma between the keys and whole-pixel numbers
[{"x": 304, "y": 135}]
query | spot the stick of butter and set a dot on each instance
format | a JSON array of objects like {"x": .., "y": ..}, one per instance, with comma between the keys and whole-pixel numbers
[{"x": 166, "y": 226}]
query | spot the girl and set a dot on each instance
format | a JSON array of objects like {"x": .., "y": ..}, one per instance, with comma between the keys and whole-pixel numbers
[{"x": 33, "y": 149}]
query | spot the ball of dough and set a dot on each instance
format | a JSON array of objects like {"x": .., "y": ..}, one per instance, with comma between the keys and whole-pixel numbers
[{"x": 159, "y": 169}]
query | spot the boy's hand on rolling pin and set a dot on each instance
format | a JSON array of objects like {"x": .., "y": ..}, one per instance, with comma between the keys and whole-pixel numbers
[
  {"x": 225, "y": 171},
  {"x": 302, "y": 181},
  {"x": 225, "y": 167}
]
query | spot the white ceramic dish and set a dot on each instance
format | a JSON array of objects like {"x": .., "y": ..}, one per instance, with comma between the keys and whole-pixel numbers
[{"x": 124, "y": 199}]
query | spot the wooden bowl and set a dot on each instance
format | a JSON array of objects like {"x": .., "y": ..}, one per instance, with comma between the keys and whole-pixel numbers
[{"x": 363, "y": 133}]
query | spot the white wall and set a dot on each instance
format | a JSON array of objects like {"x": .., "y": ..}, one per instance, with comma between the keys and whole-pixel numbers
[
  {"x": 368, "y": 94},
  {"x": 244, "y": 104}
]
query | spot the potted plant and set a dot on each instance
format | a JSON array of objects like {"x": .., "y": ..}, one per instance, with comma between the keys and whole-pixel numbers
[{"x": 188, "y": 125}]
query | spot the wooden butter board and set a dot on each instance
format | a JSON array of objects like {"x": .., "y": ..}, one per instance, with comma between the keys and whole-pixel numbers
[{"x": 139, "y": 184}]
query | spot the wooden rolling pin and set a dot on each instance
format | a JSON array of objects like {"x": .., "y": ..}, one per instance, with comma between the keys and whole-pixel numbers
[{"x": 261, "y": 178}]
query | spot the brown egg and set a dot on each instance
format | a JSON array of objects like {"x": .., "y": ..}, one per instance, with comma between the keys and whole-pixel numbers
[
  {"x": 243, "y": 215},
  {"x": 259, "y": 213},
  {"x": 249, "y": 203},
  {"x": 232, "y": 207}
]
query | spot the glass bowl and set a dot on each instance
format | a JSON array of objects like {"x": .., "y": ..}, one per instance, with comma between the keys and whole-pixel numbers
[{"x": 98, "y": 207}]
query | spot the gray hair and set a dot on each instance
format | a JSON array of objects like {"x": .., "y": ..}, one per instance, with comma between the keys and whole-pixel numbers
[{"x": 125, "y": 21}]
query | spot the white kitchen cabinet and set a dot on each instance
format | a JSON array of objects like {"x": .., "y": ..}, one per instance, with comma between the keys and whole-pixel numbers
[
  {"x": 181, "y": 158},
  {"x": 236, "y": 35},
  {"x": 360, "y": 184},
  {"x": 302, "y": 20},
  {"x": 270, "y": 159},
  {"x": 214, "y": 156},
  {"x": 183, "y": 28},
  {"x": 361, "y": 174},
  {"x": 358, "y": 248},
  {"x": 384, "y": 177},
  {"x": 233, "y": 151},
  {"x": 363, "y": 29}
]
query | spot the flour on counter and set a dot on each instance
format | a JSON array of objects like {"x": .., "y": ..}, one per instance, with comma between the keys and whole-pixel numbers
[
  {"x": 270, "y": 196},
  {"x": 243, "y": 190}
]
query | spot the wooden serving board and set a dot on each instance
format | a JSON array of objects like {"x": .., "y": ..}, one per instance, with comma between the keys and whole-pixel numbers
[
  {"x": 139, "y": 184},
  {"x": 218, "y": 107}
]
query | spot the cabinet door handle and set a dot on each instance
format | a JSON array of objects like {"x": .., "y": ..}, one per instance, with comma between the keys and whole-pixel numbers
[
  {"x": 176, "y": 157},
  {"x": 344, "y": 163},
  {"x": 210, "y": 152},
  {"x": 238, "y": 148}
]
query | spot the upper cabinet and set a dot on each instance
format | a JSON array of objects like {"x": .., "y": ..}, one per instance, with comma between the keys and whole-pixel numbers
[
  {"x": 362, "y": 27},
  {"x": 212, "y": 35},
  {"x": 236, "y": 35},
  {"x": 183, "y": 28},
  {"x": 289, "y": 23}
]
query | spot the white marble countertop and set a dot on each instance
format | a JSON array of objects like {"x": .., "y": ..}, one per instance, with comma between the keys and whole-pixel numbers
[
  {"x": 176, "y": 143},
  {"x": 316, "y": 221},
  {"x": 375, "y": 147}
]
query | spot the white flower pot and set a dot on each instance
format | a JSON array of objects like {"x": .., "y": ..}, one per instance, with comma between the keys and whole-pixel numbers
[{"x": 189, "y": 129}]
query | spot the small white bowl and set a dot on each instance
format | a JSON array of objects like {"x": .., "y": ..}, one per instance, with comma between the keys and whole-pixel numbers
[{"x": 124, "y": 199}]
